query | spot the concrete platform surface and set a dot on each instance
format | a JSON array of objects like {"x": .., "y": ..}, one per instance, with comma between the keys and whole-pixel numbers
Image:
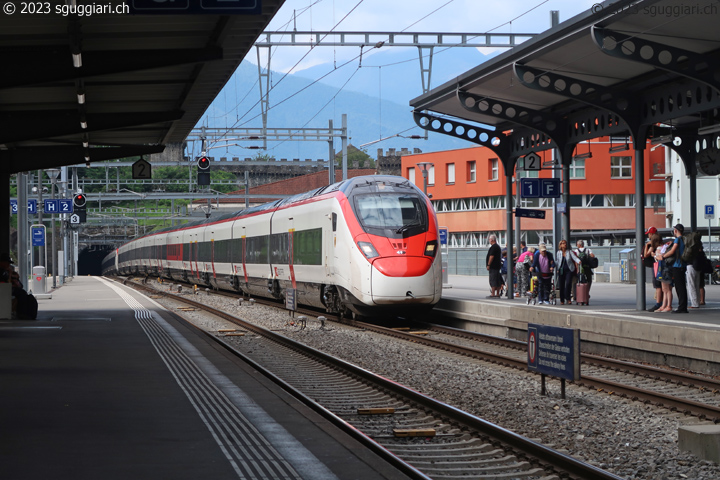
[{"x": 106, "y": 384}]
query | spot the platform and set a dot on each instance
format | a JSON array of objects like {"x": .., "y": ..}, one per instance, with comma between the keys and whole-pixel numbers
[
  {"x": 609, "y": 325},
  {"x": 107, "y": 384}
]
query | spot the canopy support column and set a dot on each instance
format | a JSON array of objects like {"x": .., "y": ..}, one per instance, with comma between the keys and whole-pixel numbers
[{"x": 640, "y": 222}]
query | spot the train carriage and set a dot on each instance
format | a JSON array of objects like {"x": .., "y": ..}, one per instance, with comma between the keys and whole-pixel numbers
[{"x": 363, "y": 246}]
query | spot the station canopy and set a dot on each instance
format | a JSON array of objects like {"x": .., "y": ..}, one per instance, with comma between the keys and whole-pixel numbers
[
  {"x": 648, "y": 68},
  {"x": 85, "y": 88}
]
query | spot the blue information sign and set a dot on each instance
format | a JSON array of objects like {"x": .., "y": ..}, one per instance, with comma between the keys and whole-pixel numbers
[
  {"x": 290, "y": 299},
  {"x": 554, "y": 351},
  {"x": 529, "y": 213},
  {"x": 443, "y": 235},
  {"x": 32, "y": 206},
  {"x": 540, "y": 187},
  {"x": 38, "y": 235},
  {"x": 65, "y": 205},
  {"x": 530, "y": 187},
  {"x": 710, "y": 212},
  {"x": 50, "y": 206},
  {"x": 550, "y": 187}
]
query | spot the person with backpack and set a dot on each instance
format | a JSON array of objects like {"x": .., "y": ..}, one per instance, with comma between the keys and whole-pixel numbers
[
  {"x": 585, "y": 255},
  {"x": 678, "y": 267}
]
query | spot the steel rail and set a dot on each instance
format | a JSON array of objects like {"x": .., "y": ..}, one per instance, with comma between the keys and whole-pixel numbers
[{"x": 540, "y": 454}]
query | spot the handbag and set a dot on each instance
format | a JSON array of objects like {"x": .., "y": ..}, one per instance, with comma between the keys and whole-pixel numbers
[{"x": 707, "y": 266}]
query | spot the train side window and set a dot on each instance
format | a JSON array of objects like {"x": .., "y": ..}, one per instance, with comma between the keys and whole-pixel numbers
[{"x": 334, "y": 222}]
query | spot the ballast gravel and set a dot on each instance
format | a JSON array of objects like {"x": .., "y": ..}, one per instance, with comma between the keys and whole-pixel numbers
[{"x": 630, "y": 439}]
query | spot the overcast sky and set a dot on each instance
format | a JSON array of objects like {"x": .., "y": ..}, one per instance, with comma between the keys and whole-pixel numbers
[{"x": 476, "y": 16}]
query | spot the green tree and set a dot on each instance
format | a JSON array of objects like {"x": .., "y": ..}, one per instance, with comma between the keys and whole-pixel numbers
[{"x": 357, "y": 157}]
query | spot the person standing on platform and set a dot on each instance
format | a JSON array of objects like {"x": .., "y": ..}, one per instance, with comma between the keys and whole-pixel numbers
[
  {"x": 584, "y": 254},
  {"x": 674, "y": 258},
  {"x": 493, "y": 263},
  {"x": 705, "y": 269},
  {"x": 650, "y": 251},
  {"x": 567, "y": 269},
  {"x": 544, "y": 267},
  {"x": 522, "y": 269},
  {"x": 694, "y": 275}
]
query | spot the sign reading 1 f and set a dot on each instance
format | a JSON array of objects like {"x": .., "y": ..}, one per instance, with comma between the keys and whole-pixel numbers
[{"x": 540, "y": 187}]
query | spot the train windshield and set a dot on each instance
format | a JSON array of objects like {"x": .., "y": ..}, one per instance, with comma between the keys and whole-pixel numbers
[{"x": 397, "y": 212}]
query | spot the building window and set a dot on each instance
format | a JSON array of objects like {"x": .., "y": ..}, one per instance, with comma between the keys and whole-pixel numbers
[
  {"x": 411, "y": 175},
  {"x": 530, "y": 202},
  {"x": 621, "y": 167},
  {"x": 677, "y": 190},
  {"x": 471, "y": 176},
  {"x": 493, "y": 169},
  {"x": 520, "y": 173},
  {"x": 451, "y": 173},
  {"x": 655, "y": 200},
  {"x": 431, "y": 175},
  {"x": 577, "y": 168},
  {"x": 617, "y": 200},
  {"x": 595, "y": 201},
  {"x": 576, "y": 200}
]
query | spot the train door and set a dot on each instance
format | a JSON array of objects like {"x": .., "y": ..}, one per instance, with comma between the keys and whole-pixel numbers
[
  {"x": 291, "y": 251},
  {"x": 329, "y": 241}
]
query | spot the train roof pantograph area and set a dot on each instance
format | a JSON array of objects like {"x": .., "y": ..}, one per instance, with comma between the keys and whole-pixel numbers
[{"x": 86, "y": 88}]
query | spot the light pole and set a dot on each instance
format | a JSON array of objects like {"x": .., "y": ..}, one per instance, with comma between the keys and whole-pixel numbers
[
  {"x": 53, "y": 173},
  {"x": 424, "y": 167}
]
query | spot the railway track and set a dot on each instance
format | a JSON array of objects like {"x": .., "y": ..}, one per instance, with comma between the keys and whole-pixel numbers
[
  {"x": 423, "y": 437},
  {"x": 677, "y": 391}
]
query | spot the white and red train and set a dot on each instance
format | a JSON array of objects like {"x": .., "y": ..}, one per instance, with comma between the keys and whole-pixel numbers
[{"x": 367, "y": 245}]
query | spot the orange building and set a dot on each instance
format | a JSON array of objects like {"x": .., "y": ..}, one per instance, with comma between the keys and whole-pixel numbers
[{"x": 468, "y": 188}]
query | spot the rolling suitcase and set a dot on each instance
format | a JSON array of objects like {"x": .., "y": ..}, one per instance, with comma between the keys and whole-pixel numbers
[{"x": 582, "y": 293}]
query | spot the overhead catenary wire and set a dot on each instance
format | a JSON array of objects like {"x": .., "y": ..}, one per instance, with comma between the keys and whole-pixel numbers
[
  {"x": 293, "y": 68},
  {"x": 240, "y": 118}
]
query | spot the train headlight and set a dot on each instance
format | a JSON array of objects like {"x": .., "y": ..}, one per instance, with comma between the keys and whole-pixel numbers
[
  {"x": 367, "y": 249},
  {"x": 431, "y": 248}
]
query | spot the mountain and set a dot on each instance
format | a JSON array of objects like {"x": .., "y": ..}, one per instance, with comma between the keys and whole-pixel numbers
[{"x": 376, "y": 101}]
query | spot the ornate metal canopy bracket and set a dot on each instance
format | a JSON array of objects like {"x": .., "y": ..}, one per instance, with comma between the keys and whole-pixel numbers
[{"x": 704, "y": 68}]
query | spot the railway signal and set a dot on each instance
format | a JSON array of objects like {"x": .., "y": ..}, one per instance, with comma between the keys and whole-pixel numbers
[
  {"x": 79, "y": 204},
  {"x": 203, "y": 170}
]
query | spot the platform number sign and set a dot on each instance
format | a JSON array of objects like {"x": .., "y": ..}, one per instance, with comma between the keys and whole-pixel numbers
[
  {"x": 540, "y": 187},
  {"x": 141, "y": 170},
  {"x": 66, "y": 205},
  {"x": 51, "y": 206},
  {"x": 31, "y": 208},
  {"x": 532, "y": 161}
]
